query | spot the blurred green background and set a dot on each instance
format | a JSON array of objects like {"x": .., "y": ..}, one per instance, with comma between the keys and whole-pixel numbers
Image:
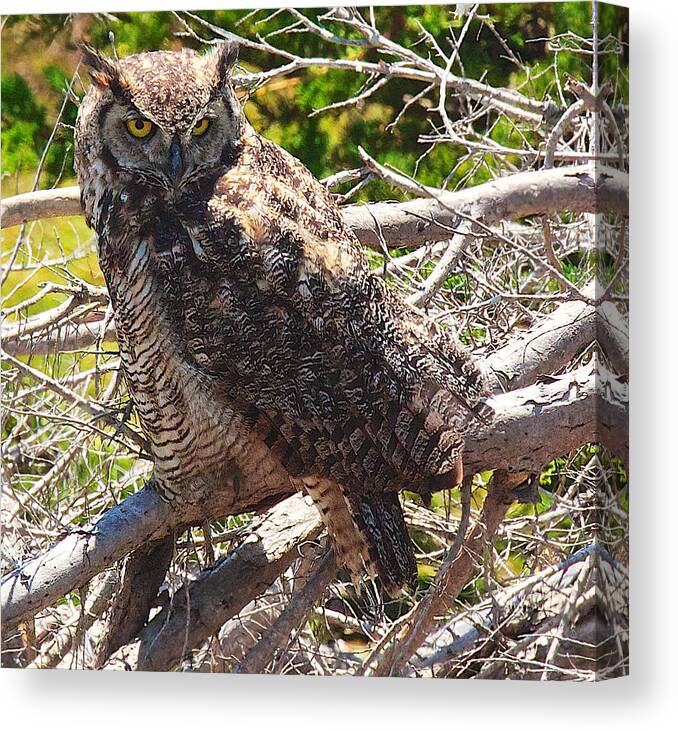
[{"x": 39, "y": 57}]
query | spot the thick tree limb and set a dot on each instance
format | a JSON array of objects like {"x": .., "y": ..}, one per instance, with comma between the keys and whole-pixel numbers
[
  {"x": 531, "y": 426},
  {"x": 40, "y": 204},
  {"x": 138, "y": 520},
  {"x": 219, "y": 593},
  {"x": 81, "y": 555},
  {"x": 612, "y": 332},
  {"x": 142, "y": 575},
  {"x": 554, "y": 339},
  {"x": 570, "y": 188}
]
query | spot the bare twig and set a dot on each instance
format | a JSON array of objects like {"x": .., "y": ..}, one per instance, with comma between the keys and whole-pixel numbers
[
  {"x": 452, "y": 576},
  {"x": 276, "y": 637}
]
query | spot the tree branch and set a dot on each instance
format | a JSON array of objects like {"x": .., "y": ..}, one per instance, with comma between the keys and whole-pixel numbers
[
  {"x": 142, "y": 575},
  {"x": 530, "y": 427},
  {"x": 533, "y": 425},
  {"x": 199, "y": 609},
  {"x": 421, "y": 220},
  {"x": 278, "y": 634},
  {"x": 138, "y": 520},
  {"x": 570, "y": 188},
  {"x": 40, "y": 204},
  {"x": 453, "y": 575},
  {"x": 555, "y": 339},
  {"x": 63, "y": 337}
]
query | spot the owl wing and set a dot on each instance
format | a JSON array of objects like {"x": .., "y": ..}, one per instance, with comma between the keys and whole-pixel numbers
[
  {"x": 304, "y": 331},
  {"x": 357, "y": 394},
  {"x": 285, "y": 358}
]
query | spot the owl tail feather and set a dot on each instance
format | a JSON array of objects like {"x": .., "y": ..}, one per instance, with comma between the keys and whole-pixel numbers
[
  {"x": 379, "y": 520},
  {"x": 368, "y": 534}
]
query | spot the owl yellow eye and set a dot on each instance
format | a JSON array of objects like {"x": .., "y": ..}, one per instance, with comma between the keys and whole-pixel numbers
[
  {"x": 201, "y": 127},
  {"x": 139, "y": 127}
]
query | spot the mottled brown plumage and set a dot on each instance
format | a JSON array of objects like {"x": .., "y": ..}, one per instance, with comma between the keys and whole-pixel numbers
[{"x": 252, "y": 334}]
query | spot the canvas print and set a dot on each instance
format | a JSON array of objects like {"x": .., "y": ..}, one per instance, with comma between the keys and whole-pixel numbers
[{"x": 314, "y": 341}]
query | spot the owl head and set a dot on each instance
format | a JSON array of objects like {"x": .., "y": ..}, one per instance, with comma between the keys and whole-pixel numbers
[{"x": 164, "y": 118}]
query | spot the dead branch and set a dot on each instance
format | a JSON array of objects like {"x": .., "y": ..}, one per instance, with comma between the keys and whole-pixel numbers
[
  {"x": 142, "y": 575},
  {"x": 277, "y": 635},
  {"x": 138, "y": 520},
  {"x": 409, "y": 65},
  {"x": 554, "y": 340},
  {"x": 612, "y": 332},
  {"x": 571, "y": 188},
  {"x": 40, "y": 204},
  {"x": 199, "y": 609},
  {"x": 574, "y": 188},
  {"x": 65, "y": 338},
  {"x": 453, "y": 575},
  {"x": 83, "y": 554},
  {"x": 533, "y": 425}
]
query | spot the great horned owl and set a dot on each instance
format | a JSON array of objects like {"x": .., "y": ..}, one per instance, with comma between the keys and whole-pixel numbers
[{"x": 252, "y": 334}]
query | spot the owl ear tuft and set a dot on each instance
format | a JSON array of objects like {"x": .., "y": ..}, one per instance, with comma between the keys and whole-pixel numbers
[
  {"x": 103, "y": 71},
  {"x": 224, "y": 57}
]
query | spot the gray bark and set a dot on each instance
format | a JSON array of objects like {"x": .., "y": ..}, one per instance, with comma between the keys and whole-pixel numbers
[
  {"x": 198, "y": 610},
  {"x": 506, "y": 199},
  {"x": 137, "y": 594},
  {"x": 569, "y": 188},
  {"x": 555, "y": 339},
  {"x": 293, "y": 616}
]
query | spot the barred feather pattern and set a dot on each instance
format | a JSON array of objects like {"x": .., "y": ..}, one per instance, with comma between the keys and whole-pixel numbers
[{"x": 254, "y": 338}]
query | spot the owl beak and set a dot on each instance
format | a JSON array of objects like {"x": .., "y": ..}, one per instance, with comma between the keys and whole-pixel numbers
[{"x": 176, "y": 162}]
